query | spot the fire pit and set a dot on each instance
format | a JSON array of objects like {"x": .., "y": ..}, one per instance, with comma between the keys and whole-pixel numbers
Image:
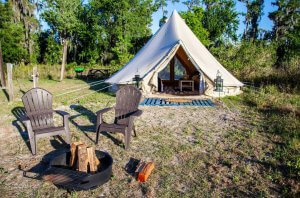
[{"x": 61, "y": 175}]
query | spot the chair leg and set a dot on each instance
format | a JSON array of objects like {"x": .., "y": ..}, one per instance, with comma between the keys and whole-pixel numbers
[
  {"x": 67, "y": 129},
  {"x": 134, "y": 131},
  {"x": 32, "y": 141},
  {"x": 97, "y": 135},
  {"x": 31, "y": 136},
  {"x": 127, "y": 138},
  {"x": 34, "y": 147},
  {"x": 68, "y": 137}
]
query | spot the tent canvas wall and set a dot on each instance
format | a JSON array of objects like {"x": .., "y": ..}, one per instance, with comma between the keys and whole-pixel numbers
[{"x": 174, "y": 37}]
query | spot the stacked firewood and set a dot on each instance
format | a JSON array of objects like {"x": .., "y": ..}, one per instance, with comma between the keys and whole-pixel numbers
[{"x": 83, "y": 158}]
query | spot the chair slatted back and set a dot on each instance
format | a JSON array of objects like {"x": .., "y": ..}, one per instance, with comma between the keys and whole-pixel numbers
[
  {"x": 127, "y": 102},
  {"x": 38, "y": 106}
]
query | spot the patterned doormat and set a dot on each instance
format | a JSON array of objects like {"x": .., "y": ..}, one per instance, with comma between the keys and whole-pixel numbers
[{"x": 176, "y": 102}]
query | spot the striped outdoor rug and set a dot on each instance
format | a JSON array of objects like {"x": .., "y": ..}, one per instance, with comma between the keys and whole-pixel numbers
[{"x": 165, "y": 102}]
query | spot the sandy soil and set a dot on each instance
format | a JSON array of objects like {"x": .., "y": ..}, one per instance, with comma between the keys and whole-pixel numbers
[{"x": 198, "y": 151}]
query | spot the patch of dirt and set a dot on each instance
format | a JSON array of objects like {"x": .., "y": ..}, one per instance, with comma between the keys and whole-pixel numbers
[{"x": 198, "y": 152}]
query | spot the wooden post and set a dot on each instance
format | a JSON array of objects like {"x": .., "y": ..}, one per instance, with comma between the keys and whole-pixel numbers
[
  {"x": 2, "y": 76},
  {"x": 10, "y": 82},
  {"x": 64, "y": 59},
  {"x": 35, "y": 77}
]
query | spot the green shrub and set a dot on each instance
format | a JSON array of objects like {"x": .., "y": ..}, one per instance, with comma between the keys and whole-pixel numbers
[{"x": 247, "y": 60}]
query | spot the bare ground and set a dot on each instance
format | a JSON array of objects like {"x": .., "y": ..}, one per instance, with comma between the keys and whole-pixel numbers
[{"x": 198, "y": 152}]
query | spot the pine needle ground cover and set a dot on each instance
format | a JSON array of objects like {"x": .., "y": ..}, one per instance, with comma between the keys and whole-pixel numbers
[{"x": 246, "y": 146}]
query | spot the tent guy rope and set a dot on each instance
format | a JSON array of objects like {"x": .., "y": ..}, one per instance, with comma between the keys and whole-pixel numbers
[
  {"x": 77, "y": 86},
  {"x": 91, "y": 92},
  {"x": 80, "y": 89}
]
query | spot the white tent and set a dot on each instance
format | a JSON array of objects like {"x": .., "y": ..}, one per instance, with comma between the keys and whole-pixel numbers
[{"x": 162, "y": 47}]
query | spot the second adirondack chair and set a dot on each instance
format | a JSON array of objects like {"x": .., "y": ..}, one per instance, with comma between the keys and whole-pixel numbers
[{"x": 126, "y": 109}]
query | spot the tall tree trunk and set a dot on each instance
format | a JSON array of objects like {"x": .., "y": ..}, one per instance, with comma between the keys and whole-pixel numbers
[
  {"x": 75, "y": 53},
  {"x": 64, "y": 59},
  {"x": 2, "y": 77},
  {"x": 247, "y": 19},
  {"x": 27, "y": 39}
]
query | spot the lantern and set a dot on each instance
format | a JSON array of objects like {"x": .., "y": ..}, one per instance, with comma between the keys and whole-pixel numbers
[
  {"x": 137, "y": 79},
  {"x": 219, "y": 82}
]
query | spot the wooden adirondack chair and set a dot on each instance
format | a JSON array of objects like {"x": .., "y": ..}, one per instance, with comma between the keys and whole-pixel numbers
[
  {"x": 126, "y": 110},
  {"x": 39, "y": 117}
]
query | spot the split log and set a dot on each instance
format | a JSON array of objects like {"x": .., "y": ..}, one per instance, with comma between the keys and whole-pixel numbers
[
  {"x": 93, "y": 162},
  {"x": 74, "y": 153},
  {"x": 97, "y": 161},
  {"x": 82, "y": 158}
]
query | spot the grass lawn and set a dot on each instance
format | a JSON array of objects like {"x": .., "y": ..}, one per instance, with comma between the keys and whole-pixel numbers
[{"x": 247, "y": 146}]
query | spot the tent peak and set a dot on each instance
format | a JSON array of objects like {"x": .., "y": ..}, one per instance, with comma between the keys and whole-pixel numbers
[{"x": 174, "y": 13}]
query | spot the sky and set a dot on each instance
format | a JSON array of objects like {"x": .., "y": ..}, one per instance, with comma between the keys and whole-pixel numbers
[{"x": 265, "y": 22}]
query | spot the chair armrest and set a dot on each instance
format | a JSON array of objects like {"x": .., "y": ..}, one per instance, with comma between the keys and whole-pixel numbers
[
  {"x": 23, "y": 118},
  {"x": 137, "y": 113},
  {"x": 65, "y": 117},
  {"x": 104, "y": 110},
  {"x": 99, "y": 116},
  {"x": 26, "y": 122},
  {"x": 62, "y": 113}
]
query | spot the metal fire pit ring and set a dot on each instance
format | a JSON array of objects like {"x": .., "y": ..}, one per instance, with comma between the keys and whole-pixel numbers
[{"x": 63, "y": 176}]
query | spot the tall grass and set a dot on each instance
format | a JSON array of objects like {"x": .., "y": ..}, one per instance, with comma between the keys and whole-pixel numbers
[{"x": 279, "y": 118}]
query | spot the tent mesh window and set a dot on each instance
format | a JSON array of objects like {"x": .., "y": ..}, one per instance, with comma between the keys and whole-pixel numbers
[
  {"x": 165, "y": 73},
  {"x": 179, "y": 70}
]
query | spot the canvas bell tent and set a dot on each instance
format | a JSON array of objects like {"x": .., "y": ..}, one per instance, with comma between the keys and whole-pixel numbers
[{"x": 174, "y": 56}]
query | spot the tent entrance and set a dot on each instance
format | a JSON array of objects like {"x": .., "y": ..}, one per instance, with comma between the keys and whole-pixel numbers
[{"x": 180, "y": 76}]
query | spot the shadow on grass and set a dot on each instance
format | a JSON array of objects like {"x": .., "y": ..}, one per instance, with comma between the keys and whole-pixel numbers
[
  {"x": 82, "y": 111},
  {"x": 280, "y": 111},
  {"x": 6, "y": 94},
  {"x": 20, "y": 114},
  {"x": 22, "y": 91},
  {"x": 97, "y": 84},
  {"x": 287, "y": 82},
  {"x": 270, "y": 110},
  {"x": 286, "y": 171}
]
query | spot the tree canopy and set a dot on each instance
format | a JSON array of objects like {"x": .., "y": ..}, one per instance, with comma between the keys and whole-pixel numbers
[
  {"x": 11, "y": 36},
  {"x": 110, "y": 32},
  {"x": 252, "y": 18},
  {"x": 194, "y": 19},
  {"x": 286, "y": 30},
  {"x": 220, "y": 19}
]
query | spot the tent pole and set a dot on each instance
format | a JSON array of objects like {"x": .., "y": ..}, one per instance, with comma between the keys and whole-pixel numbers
[{"x": 172, "y": 74}]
